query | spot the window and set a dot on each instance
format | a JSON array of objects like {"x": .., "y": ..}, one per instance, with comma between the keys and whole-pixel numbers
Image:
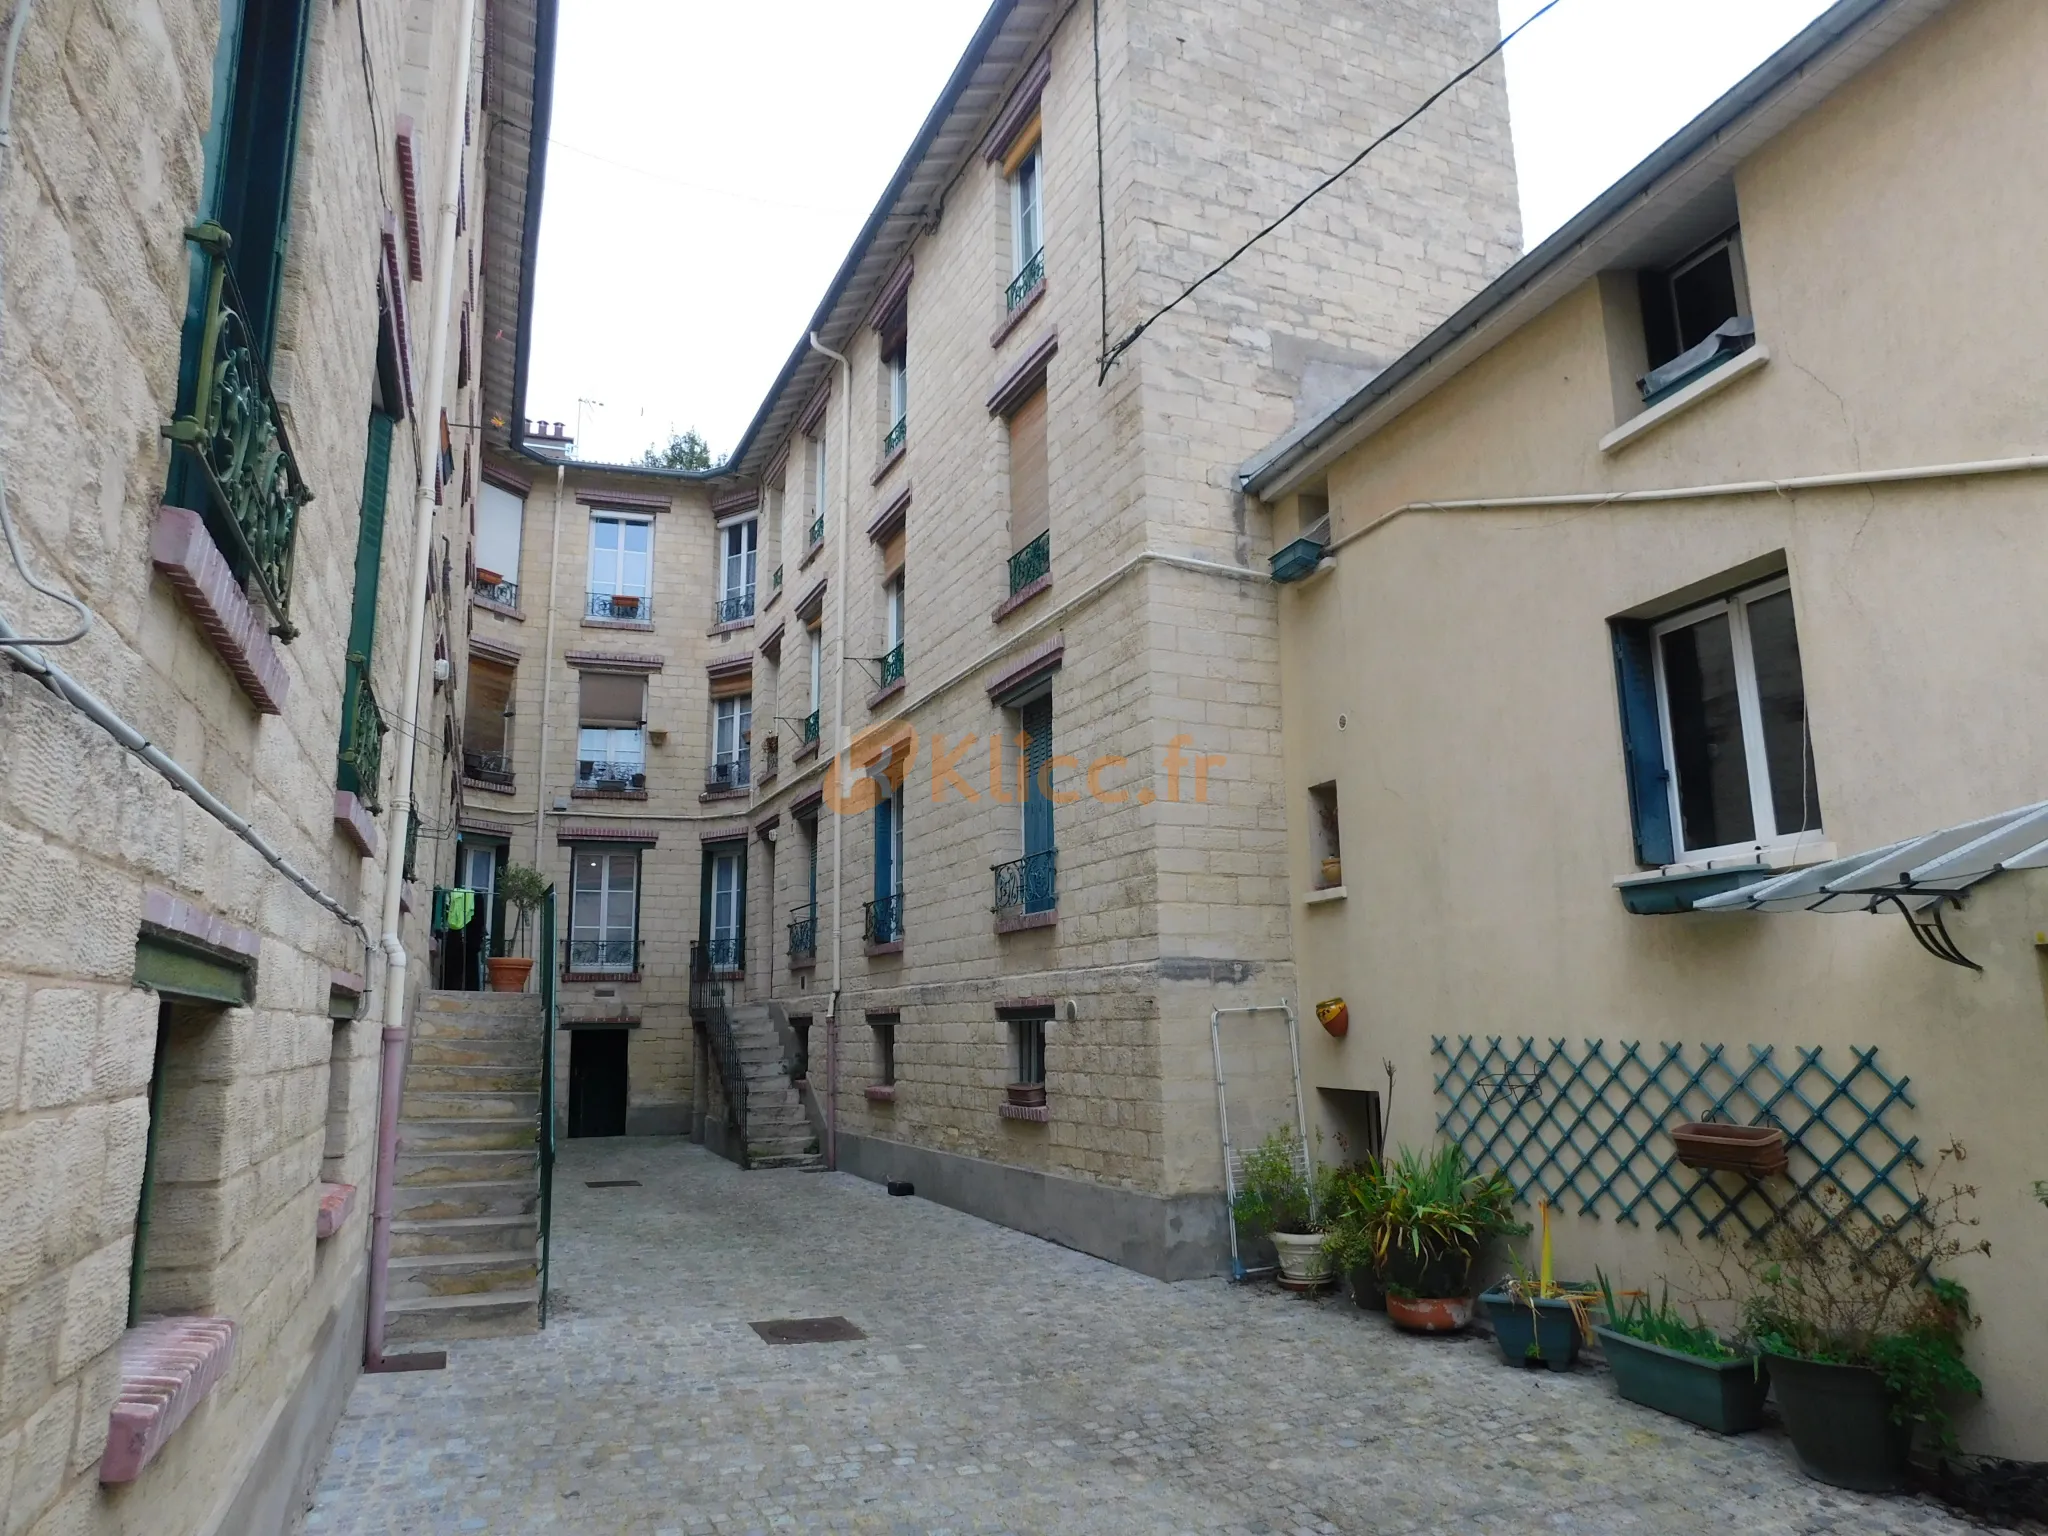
[
  {"x": 816, "y": 534},
  {"x": 1714, "y": 722},
  {"x": 1030, "y": 515},
  {"x": 885, "y": 912},
  {"x": 803, "y": 918},
  {"x": 360, "y": 758},
  {"x": 1041, "y": 858},
  {"x": 610, "y": 744},
  {"x": 737, "y": 544},
  {"x": 500, "y": 516},
  {"x": 890, "y": 670},
  {"x": 884, "y": 1026},
  {"x": 732, "y": 729},
  {"x": 486, "y": 722},
  {"x": 1027, "y": 1051},
  {"x": 896, "y": 371},
  {"x": 1325, "y": 853},
  {"x": 816, "y": 635},
  {"x": 1027, "y": 224},
  {"x": 1695, "y": 316},
  {"x": 604, "y": 911},
  {"x": 619, "y": 568},
  {"x": 727, "y": 909},
  {"x": 892, "y": 611}
]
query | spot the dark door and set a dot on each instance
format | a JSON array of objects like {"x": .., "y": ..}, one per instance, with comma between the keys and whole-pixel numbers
[{"x": 597, "y": 1082}]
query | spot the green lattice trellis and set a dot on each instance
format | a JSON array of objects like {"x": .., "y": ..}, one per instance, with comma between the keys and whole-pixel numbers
[{"x": 1590, "y": 1129}]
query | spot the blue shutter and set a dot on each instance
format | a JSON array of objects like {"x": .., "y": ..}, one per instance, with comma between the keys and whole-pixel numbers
[
  {"x": 885, "y": 848},
  {"x": 1036, "y": 718},
  {"x": 1642, "y": 744}
]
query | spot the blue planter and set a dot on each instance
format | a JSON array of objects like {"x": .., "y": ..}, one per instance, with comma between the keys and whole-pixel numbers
[
  {"x": 1296, "y": 560},
  {"x": 1726, "y": 1396},
  {"x": 1545, "y": 1333}
]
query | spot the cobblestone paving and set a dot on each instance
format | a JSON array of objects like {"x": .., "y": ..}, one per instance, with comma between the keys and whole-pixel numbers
[{"x": 1005, "y": 1385}]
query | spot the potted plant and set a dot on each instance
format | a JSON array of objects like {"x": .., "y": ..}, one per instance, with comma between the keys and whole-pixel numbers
[
  {"x": 1536, "y": 1319},
  {"x": 1438, "y": 1210},
  {"x": 523, "y": 889},
  {"x": 1682, "y": 1368},
  {"x": 1287, "y": 1198},
  {"x": 1863, "y": 1333}
]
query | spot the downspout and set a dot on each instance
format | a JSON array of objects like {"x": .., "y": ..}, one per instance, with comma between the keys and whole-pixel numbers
[
  {"x": 396, "y": 962},
  {"x": 547, "y": 671},
  {"x": 840, "y": 735}
]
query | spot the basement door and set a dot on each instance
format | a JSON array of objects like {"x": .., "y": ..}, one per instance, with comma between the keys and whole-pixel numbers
[{"x": 597, "y": 1082}]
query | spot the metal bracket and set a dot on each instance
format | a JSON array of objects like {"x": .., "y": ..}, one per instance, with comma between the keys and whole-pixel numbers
[{"x": 1931, "y": 933}]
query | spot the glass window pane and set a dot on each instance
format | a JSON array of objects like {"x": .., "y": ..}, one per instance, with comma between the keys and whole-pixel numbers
[
  {"x": 635, "y": 536},
  {"x": 1788, "y": 748},
  {"x": 1703, "y": 295},
  {"x": 604, "y": 534},
  {"x": 624, "y": 872},
  {"x": 1706, "y": 735}
]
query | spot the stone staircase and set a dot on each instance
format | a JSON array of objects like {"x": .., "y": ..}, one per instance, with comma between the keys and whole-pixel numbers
[
  {"x": 465, "y": 1229},
  {"x": 779, "y": 1133}
]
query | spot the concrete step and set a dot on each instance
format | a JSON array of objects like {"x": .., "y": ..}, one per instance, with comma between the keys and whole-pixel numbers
[
  {"x": 434, "y": 1136},
  {"x": 436, "y": 1318},
  {"x": 463, "y": 1274},
  {"x": 467, "y": 1202},
  {"x": 524, "y": 1004},
  {"x": 501, "y": 1055},
  {"x": 810, "y": 1162},
  {"x": 482, "y": 1104},
  {"x": 779, "y": 1146},
  {"x": 441, "y": 1165},
  {"x": 466, "y": 1235},
  {"x": 439, "y": 1079}
]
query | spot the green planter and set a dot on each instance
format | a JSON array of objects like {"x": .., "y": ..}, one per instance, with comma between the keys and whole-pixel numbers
[
  {"x": 1840, "y": 1421},
  {"x": 1545, "y": 1334},
  {"x": 1726, "y": 1396}
]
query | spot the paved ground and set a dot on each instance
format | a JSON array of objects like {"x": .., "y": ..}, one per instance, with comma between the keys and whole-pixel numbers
[{"x": 1006, "y": 1385}]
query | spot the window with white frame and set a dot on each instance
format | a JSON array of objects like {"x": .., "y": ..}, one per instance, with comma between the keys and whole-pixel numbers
[
  {"x": 620, "y": 566},
  {"x": 817, "y": 643},
  {"x": 816, "y": 532},
  {"x": 1732, "y": 756},
  {"x": 897, "y": 367},
  {"x": 738, "y": 553},
  {"x": 604, "y": 910},
  {"x": 1027, "y": 225},
  {"x": 728, "y": 903},
  {"x": 732, "y": 729}
]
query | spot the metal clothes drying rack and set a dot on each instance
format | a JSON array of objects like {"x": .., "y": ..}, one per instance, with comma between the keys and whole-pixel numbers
[{"x": 1233, "y": 1163}]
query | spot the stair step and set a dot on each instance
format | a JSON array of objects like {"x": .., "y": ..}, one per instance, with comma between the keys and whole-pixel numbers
[
  {"x": 503, "y": 1055},
  {"x": 441, "y": 1165},
  {"x": 806, "y": 1161},
  {"x": 488, "y": 1004},
  {"x": 430, "y": 1078},
  {"x": 424, "y": 1136},
  {"x": 480, "y": 1104},
  {"x": 462, "y": 1317},
  {"x": 414, "y": 1239},
  {"x": 467, "y": 1202},
  {"x": 463, "y": 1274}
]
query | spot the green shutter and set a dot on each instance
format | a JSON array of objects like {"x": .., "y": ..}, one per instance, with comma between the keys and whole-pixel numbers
[{"x": 362, "y": 624}]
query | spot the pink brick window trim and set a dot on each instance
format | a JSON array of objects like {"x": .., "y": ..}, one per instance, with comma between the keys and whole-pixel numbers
[
  {"x": 353, "y": 822},
  {"x": 336, "y": 1201},
  {"x": 881, "y": 1093},
  {"x": 184, "y": 551},
  {"x": 1030, "y": 666},
  {"x": 167, "y": 1367},
  {"x": 1037, "y": 1114},
  {"x": 169, "y": 914}
]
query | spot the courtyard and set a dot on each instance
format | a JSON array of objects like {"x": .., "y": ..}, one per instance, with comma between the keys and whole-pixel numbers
[{"x": 1004, "y": 1384}]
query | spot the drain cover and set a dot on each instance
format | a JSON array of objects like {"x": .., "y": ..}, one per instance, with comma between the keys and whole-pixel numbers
[
  {"x": 807, "y": 1330},
  {"x": 611, "y": 1183}
]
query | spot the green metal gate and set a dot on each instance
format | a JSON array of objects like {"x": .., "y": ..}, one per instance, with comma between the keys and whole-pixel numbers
[{"x": 550, "y": 1002}]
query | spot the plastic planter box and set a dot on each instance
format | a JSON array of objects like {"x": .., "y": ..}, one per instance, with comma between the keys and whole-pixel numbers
[
  {"x": 1296, "y": 560},
  {"x": 1548, "y": 1336},
  {"x": 1726, "y": 1396}
]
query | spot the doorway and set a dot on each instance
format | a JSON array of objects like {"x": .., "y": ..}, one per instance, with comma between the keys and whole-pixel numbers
[
  {"x": 463, "y": 950},
  {"x": 597, "y": 1082}
]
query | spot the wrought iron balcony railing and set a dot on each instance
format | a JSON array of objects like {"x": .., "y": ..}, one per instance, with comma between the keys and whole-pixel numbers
[
  {"x": 1031, "y": 562},
  {"x": 1027, "y": 885},
  {"x": 608, "y": 773},
  {"x": 237, "y": 440},
  {"x": 810, "y": 728},
  {"x": 362, "y": 737},
  {"x": 736, "y": 606},
  {"x": 619, "y": 605},
  {"x": 1029, "y": 278},
  {"x": 601, "y": 954},
  {"x": 491, "y": 767},
  {"x": 778, "y": 578},
  {"x": 817, "y": 531},
  {"x": 882, "y": 921},
  {"x": 891, "y": 668},
  {"x": 722, "y": 956},
  {"x": 504, "y": 593},
  {"x": 893, "y": 439},
  {"x": 727, "y": 772},
  {"x": 770, "y": 755},
  {"x": 803, "y": 932}
]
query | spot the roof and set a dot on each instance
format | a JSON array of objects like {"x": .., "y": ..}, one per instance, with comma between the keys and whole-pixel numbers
[
  {"x": 1681, "y": 193},
  {"x": 519, "y": 68}
]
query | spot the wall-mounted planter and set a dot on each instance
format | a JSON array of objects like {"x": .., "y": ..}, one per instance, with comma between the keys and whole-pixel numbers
[
  {"x": 1754, "y": 1151},
  {"x": 1335, "y": 1016},
  {"x": 1538, "y": 1333},
  {"x": 1296, "y": 560},
  {"x": 1025, "y": 1095},
  {"x": 1726, "y": 1396}
]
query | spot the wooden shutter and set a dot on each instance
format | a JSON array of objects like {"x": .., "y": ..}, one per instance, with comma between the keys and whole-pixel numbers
[
  {"x": 892, "y": 555},
  {"x": 490, "y": 694},
  {"x": 1029, "y": 516},
  {"x": 613, "y": 699},
  {"x": 1036, "y": 719},
  {"x": 732, "y": 685},
  {"x": 1642, "y": 744}
]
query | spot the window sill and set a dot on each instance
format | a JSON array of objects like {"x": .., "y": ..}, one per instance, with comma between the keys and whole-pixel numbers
[
  {"x": 885, "y": 693},
  {"x": 336, "y": 1201},
  {"x": 1020, "y": 597},
  {"x": 878, "y": 951},
  {"x": 1676, "y": 887},
  {"x": 489, "y": 786},
  {"x": 766, "y": 779},
  {"x": 644, "y": 625},
  {"x": 811, "y": 554},
  {"x": 631, "y": 976},
  {"x": 167, "y": 1367},
  {"x": 727, "y": 629},
  {"x": 498, "y": 608},
  {"x": 709, "y": 796},
  {"x": 882, "y": 1093},
  {"x": 803, "y": 962},
  {"x": 895, "y": 457},
  {"x": 1016, "y": 316},
  {"x": 804, "y": 753},
  {"x": 1035, "y": 1114},
  {"x": 608, "y": 794},
  {"x": 352, "y": 821},
  {"x": 1327, "y": 893},
  {"x": 1024, "y": 922},
  {"x": 181, "y": 548},
  {"x": 1737, "y": 367}
]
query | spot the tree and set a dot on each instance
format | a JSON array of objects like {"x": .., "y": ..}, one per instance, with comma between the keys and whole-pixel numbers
[{"x": 684, "y": 450}]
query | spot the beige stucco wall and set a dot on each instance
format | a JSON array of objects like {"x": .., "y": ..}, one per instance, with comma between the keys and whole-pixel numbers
[{"x": 1479, "y": 767}]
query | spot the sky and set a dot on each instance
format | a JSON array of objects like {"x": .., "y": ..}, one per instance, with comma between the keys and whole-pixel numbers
[{"x": 710, "y": 164}]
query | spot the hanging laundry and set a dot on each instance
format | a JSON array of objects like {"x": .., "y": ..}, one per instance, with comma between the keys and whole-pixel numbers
[{"x": 461, "y": 907}]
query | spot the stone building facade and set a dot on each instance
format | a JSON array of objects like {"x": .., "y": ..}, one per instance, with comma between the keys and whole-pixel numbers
[{"x": 221, "y": 240}]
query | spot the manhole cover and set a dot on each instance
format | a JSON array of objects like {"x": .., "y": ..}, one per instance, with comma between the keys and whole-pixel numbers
[
  {"x": 611, "y": 1183},
  {"x": 807, "y": 1330}
]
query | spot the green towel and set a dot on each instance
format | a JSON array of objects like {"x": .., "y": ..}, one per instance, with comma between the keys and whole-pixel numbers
[{"x": 461, "y": 907}]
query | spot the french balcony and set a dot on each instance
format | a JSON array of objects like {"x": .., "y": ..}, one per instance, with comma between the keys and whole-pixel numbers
[
  {"x": 612, "y": 774},
  {"x": 501, "y": 594},
  {"x": 734, "y": 607},
  {"x": 1029, "y": 278},
  {"x": 891, "y": 666},
  {"x": 1031, "y": 562},
  {"x": 1027, "y": 888},
  {"x": 810, "y": 729},
  {"x": 607, "y": 954},
  {"x": 626, "y": 607},
  {"x": 803, "y": 933},
  {"x": 817, "y": 533},
  {"x": 778, "y": 578},
  {"x": 894, "y": 437},
  {"x": 493, "y": 768},
  {"x": 882, "y": 920},
  {"x": 728, "y": 773},
  {"x": 362, "y": 736},
  {"x": 770, "y": 753}
]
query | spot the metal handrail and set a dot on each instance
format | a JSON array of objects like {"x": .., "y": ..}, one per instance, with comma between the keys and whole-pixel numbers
[
  {"x": 708, "y": 1005},
  {"x": 549, "y": 1007},
  {"x": 236, "y": 436},
  {"x": 770, "y": 755},
  {"x": 487, "y": 765},
  {"x": 810, "y": 728},
  {"x": 1031, "y": 562}
]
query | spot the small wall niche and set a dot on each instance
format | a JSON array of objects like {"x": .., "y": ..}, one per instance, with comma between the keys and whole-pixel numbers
[{"x": 1325, "y": 852}]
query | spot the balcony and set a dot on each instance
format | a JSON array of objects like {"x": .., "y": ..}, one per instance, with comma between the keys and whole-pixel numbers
[
  {"x": 778, "y": 578},
  {"x": 234, "y": 437},
  {"x": 1029, "y": 278},
  {"x": 810, "y": 729},
  {"x": 611, "y": 775},
  {"x": 803, "y": 934},
  {"x": 882, "y": 921},
  {"x": 892, "y": 440},
  {"x": 727, "y": 774},
  {"x": 1031, "y": 563},
  {"x": 492, "y": 768},
  {"x": 771, "y": 753},
  {"x": 500, "y": 594},
  {"x": 720, "y": 956},
  {"x": 1027, "y": 891},
  {"x": 362, "y": 736},
  {"x": 735, "y": 607},
  {"x": 620, "y": 956},
  {"x": 622, "y": 607},
  {"x": 817, "y": 533},
  {"x": 891, "y": 666}
]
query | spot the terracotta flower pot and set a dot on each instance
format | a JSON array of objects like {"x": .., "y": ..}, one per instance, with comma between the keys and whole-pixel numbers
[
  {"x": 1440, "y": 1314},
  {"x": 1335, "y": 1016},
  {"x": 1026, "y": 1095},
  {"x": 1756, "y": 1151},
  {"x": 509, "y": 972}
]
